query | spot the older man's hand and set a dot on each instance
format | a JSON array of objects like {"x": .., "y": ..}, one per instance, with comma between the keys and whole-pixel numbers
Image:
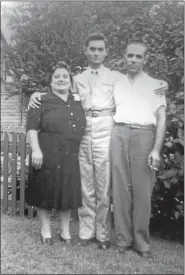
[{"x": 154, "y": 160}]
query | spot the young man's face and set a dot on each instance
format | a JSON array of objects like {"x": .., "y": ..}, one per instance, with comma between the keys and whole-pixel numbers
[
  {"x": 96, "y": 52},
  {"x": 135, "y": 58}
]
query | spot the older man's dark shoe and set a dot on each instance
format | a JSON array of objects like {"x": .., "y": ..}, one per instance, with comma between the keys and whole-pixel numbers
[
  {"x": 85, "y": 242},
  {"x": 144, "y": 254},
  {"x": 48, "y": 241}
]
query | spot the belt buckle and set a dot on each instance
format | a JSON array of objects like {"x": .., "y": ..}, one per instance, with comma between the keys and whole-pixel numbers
[{"x": 94, "y": 113}]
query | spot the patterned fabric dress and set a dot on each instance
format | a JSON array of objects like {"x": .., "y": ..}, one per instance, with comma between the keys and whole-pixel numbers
[{"x": 61, "y": 124}]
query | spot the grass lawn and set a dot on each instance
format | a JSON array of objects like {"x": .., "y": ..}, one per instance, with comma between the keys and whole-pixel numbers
[{"x": 22, "y": 253}]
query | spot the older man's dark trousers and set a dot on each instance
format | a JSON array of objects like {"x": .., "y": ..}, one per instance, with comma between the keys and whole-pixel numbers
[{"x": 132, "y": 184}]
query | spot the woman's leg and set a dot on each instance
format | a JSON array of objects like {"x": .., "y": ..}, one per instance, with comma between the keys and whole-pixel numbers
[
  {"x": 64, "y": 219},
  {"x": 44, "y": 216}
]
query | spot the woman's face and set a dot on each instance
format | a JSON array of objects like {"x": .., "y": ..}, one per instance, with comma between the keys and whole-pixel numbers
[{"x": 60, "y": 80}]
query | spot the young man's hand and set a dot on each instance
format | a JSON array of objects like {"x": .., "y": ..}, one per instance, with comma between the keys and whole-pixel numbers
[
  {"x": 34, "y": 101},
  {"x": 161, "y": 91}
]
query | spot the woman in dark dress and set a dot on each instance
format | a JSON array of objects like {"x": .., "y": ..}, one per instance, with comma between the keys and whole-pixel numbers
[{"x": 54, "y": 132}]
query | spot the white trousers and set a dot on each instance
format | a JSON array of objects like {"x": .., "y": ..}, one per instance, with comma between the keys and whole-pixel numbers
[{"x": 94, "y": 215}]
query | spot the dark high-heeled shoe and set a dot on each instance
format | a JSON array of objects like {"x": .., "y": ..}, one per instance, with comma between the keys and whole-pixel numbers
[
  {"x": 66, "y": 241},
  {"x": 48, "y": 241}
]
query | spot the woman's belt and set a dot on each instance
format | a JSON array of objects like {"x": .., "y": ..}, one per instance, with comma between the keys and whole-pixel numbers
[{"x": 96, "y": 113}]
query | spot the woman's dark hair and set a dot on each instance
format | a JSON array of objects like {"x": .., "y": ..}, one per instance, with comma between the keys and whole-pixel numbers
[{"x": 61, "y": 65}]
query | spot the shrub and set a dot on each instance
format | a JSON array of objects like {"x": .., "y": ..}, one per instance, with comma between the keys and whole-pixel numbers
[{"x": 168, "y": 197}]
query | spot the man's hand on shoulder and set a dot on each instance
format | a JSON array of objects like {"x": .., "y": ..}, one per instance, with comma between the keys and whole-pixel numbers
[
  {"x": 162, "y": 88},
  {"x": 34, "y": 101}
]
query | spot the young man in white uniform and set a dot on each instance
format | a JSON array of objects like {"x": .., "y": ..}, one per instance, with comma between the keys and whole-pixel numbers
[{"x": 95, "y": 87}]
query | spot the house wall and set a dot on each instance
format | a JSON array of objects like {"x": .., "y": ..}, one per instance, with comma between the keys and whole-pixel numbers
[
  {"x": 25, "y": 100},
  {"x": 13, "y": 108},
  {"x": 10, "y": 108},
  {"x": 3, "y": 49}
]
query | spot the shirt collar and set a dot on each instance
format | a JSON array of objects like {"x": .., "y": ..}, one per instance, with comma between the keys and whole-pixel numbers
[
  {"x": 141, "y": 76},
  {"x": 100, "y": 70}
]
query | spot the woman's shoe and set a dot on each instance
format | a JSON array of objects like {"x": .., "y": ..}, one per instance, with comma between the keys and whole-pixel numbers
[
  {"x": 66, "y": 241},
  {"x": 48, "y": 241}
]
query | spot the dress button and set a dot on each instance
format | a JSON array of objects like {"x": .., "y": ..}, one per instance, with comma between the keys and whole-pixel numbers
[
  {"x": 74, "y": 125},
  {"x": 68, "y": 105},
  {"x": 71, "y": 114}
]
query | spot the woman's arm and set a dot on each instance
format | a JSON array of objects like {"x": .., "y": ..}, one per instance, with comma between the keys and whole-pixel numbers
[
  {"x": 37, "y": 156},
  {"x": 32, "y": 128}
]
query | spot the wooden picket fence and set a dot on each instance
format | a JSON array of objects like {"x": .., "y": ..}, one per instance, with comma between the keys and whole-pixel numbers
[{"x": 14, "y": 150}]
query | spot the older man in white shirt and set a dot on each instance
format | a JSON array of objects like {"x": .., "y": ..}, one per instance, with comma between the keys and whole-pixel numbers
[{"x": 136, "y": 142}]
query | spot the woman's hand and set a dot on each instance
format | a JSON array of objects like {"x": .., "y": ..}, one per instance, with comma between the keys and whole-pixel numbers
[
  {"x": 37, "y": 159},
  {"x": 34, "y": 101}
]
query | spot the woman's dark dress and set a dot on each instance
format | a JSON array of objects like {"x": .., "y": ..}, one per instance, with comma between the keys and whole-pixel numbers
[{"x": 57, "y": 184}]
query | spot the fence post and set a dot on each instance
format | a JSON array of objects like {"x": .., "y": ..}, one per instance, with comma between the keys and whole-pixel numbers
[
  {"x": 14, "y": 172},
  {"x": 30, "y": 208},
  {"x": 5, "y": 182},
  {"x": 22, "y": 143}
]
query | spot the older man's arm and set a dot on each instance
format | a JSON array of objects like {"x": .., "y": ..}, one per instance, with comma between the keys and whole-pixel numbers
[{"x": 154, "y": 156}]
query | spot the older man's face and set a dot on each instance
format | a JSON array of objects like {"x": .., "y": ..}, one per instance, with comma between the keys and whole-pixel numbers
[{"x": 135, "y": 58}]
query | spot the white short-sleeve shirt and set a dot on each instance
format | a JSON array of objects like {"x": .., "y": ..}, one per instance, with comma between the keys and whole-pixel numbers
[{"x": 137, "y": 102}]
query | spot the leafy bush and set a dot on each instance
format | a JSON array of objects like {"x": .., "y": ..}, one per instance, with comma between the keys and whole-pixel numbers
[
  {"x": 168, "y": 198},
  {"x": 45, "y": 32}
]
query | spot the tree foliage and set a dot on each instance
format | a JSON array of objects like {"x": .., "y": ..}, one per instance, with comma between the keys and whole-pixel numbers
[{"x": 45, "y": 32}]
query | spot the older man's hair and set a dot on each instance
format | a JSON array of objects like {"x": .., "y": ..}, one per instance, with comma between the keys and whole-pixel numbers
[
  {"x": 137, "y": 43},
  {"x": 95, "y": 36}
]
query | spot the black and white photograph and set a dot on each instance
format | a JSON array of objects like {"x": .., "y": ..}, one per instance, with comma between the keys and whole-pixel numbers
[{"x": 92, "y": 137}]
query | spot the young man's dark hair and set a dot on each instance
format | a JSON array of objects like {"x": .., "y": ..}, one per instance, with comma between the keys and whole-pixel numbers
[{"x": 95, "y": 36}]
